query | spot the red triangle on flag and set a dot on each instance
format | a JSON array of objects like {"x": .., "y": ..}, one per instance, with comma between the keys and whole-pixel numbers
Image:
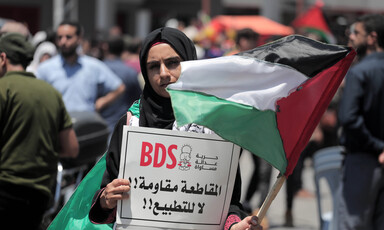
[{"x": 313, "y": 18}]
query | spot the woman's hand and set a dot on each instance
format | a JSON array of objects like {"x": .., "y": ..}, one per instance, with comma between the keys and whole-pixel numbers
[
  {"x": 116, "y": 190},
  {"x": 248, "y": 223},
  {"x": 381, "y": 158}
]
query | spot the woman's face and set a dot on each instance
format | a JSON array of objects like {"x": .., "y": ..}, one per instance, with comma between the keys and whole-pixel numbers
[{"x": 163, "y": 67}]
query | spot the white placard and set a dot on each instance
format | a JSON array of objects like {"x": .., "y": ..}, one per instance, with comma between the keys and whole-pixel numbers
[{"x": 179, "y": 180}]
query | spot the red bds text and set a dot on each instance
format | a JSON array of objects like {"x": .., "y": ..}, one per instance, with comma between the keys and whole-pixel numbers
[{"x": 157, "y": 155}]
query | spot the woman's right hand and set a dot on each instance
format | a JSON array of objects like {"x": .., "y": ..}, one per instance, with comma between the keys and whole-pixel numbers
[{"x": 116, "y": 190}]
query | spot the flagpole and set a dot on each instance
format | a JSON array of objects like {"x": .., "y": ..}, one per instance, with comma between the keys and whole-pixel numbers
[{"x": 271, "y": 196}]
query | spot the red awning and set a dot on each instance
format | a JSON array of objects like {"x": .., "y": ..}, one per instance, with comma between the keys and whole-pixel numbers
[{"x": 259, "y": 24}]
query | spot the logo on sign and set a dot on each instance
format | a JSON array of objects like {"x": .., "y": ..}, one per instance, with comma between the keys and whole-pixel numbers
[
  {"x": 158, "y": 155},
  {"x": 185, "y": 158}
]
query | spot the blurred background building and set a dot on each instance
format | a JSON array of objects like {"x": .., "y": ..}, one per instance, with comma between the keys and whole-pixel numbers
[{"x": 138, "y": 17}]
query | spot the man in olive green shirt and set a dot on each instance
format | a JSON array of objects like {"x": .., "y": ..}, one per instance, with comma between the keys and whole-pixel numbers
[{"x": 35, "y": 130}]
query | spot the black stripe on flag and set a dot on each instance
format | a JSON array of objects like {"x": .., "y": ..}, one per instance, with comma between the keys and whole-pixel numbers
[{"x": 301, "y": 53}]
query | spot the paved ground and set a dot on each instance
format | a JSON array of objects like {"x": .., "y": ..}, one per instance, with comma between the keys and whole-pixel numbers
[{"x": 305, "y": 212}]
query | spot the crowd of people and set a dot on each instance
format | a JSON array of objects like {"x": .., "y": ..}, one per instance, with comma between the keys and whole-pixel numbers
[{"x": 46, "y": 76}]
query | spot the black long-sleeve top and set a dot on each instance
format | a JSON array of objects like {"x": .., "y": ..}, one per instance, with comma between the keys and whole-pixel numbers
[{"x": 361, "y": 113}]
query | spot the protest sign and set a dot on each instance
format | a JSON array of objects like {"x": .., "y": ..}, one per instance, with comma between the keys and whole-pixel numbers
[{"x": 179, "y": 180}]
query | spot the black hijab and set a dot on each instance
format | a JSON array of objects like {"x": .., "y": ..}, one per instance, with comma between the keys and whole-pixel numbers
[{"x": 155, "y": 110}]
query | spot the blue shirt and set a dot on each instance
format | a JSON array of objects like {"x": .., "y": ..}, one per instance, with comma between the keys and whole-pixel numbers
[
  {"x": 132, "y": 92},
  {"x": 81, "y": 83}
]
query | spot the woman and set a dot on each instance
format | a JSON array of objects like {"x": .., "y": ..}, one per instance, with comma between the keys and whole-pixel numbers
[
  {"x": 160, "y": 58},
  {"x": 43, "y": 52}
]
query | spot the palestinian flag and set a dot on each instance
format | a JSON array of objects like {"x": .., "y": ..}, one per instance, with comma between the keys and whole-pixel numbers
[
  {"x": 74, "y": 214},
  {"x": 267, "y": 100},
  {"x": 314, "y": 21}
]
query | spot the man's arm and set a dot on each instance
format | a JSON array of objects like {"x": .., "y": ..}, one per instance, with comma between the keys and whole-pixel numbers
[
  {"x": 104, "y": 101},
  {"x": 69, "y": 146}
]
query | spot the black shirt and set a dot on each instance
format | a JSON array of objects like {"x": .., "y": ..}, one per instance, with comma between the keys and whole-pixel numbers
[{"x": 361, "y": 111}]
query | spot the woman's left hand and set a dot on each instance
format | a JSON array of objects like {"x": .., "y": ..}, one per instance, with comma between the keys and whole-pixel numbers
[
  {"x": 248, "y": 223},
  {"x": 381, "y": 158}
]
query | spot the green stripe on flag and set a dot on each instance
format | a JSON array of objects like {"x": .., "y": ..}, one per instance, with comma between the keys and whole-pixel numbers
[
  {"x": 233, "y": 121},
  {"x": 321, "y": 33},
  {"x": 74, "y": 214}
]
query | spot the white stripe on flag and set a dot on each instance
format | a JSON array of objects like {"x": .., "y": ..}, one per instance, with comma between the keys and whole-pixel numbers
[{"x": 239, "y": 79}]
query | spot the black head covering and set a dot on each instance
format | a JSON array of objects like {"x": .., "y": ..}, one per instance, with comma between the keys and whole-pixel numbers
[{"x": 155, "y": 110}]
